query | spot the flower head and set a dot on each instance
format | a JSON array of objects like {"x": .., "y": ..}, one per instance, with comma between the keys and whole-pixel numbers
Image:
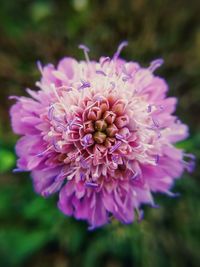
[{"x": 101, "y": 134}]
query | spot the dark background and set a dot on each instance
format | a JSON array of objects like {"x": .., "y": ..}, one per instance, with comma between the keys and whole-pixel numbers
[{"x": 32, "y": 231}]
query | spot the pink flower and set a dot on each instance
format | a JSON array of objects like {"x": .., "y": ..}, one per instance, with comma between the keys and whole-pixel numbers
[{"x": 101, "y": 134}]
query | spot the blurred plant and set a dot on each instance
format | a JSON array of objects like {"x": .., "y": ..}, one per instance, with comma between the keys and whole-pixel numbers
[{"x": 29, "y": 233}]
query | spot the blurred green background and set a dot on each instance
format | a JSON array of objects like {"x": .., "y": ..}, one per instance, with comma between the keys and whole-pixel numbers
[{"x": 32, "y": 231}]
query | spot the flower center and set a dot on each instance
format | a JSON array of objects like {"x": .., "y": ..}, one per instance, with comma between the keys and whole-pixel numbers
[
  {"x": 102, "y": 121},
  {"x": 102, "y": 129},
  {"x": 96, "y": 133}
]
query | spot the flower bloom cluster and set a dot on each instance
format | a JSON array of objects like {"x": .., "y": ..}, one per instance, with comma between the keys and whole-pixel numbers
[{"x": 102, "y": 134}]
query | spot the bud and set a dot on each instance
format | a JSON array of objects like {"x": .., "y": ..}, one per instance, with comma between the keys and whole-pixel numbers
[
  {"x": 88, "y": 127},
  {"x": 109, "y": 117},
  {"x": 111, "y": 130},
  {"x": 99, "y": 137},
  {"x": 100, "y": 125},
  {"x": 122, "y": 121},
  {"x": 94, "y": 114},
  {"x": 118, "y": 107}
]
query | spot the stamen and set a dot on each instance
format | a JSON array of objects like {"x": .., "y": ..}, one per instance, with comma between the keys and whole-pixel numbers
[
  {"x": 96, "y": 175},
  {"x": 50, "y": 112},
  {"x": 158, "y": 134},
  {"x": 105, "y": 60},
  {"x": 93, "y": 104},
  {"x": 119, "y": 49},
  {"x": 68, "y": 89},
  {"x": 71, "y": 123},
  {"x": 124, "y": 70},
  {"x": 89, "y": 157},
  {"x": 84, "y": 85},
  {"x": 14, "y": 97},
  {"x": 86, "y": 50},
  {"x": 78, "y": 124},
  {"x": 84, "y": 163},
  {"x": 126, "y": 78},
  {"x": 54, "y": 89},
  {"x": 71, "y": 176},
  {"x": 149, "y": 108},
  {"x": 60, "y": 128},
  {"x": 171, "y": 194},
  {"x": 115, "y": 158},
  {"x": 87, "y": 140},
  {"x": 47, "y": 192},
  {"x": 101, "y": 72},
  {"x": 82, "y": 176},
  {"x": 190, "y": 156},
  {"x": 113, "y": 85},
  {"x": 121, "y": 138},
  {"x": 115, "y": 147},
  {"x": 56, "y": 145},
  {"x": 189, "y": 165},
  {"x": 157, "y": 159},
  {"x": 155, "y": 64},
  {"x": 155, "y": 206},
  {"x": 91, "y": 184},
  {"x": 16, "y": 170},
  {"x": 155, "y": 122},
  {"x": 127, "y": 75},
  {"x": 54, "y": 187},
  {"x": 39, "y": 65},
  {"x": 161, "y": 107},
  {"x": 134, "y": 176},
  {"x": 138, "y": 212},
  {"x": 73, "y": 138},
  {"x": 41, "y": 154},
  {"x": 57, "y": 119}
]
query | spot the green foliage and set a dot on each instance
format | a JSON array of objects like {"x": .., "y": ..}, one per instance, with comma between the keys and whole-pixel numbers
[
  {"x": 7, "y": 160},
  {"x": 32, "y": 230}
]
